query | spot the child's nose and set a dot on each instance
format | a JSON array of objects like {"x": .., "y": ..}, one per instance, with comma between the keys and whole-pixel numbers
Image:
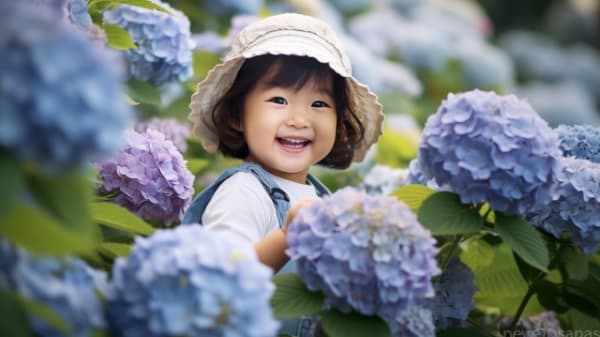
[{"x": 298, "y": 118}]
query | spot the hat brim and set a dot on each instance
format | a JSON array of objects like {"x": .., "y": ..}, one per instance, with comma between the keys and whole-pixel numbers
[{"x": 220, "y": 79}]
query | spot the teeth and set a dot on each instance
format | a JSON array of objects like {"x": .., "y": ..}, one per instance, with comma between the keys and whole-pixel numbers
[{"x": 294, "y": 141}]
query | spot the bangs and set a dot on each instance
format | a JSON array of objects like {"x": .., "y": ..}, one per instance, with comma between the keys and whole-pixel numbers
[{"x": 290, "y": 71}]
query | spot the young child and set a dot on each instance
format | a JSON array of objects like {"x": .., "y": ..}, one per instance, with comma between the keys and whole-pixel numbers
[{"x": 283, "y": 100}]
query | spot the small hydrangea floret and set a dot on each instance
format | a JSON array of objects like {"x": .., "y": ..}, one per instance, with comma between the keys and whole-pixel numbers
[
  {"x": 581, "y": 141},
  {"x": 491, "y": 148},
  {"x": 173, "y": 130},
  {"x": 191, "y": 282}
]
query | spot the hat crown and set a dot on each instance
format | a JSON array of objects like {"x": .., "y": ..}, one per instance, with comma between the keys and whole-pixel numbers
[{"x": 294, "y": 23}]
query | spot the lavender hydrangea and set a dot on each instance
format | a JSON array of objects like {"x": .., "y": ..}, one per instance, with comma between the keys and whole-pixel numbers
[
  {"x": 191, "y": 282},
  {"x": 577, "y": 209},
  {"x": 62, "y": 104},
  {"x": 67, "y": 286},
  {"x": 416, "y": 321},
  {"x": 150, "y": 176},
  {"x": 545, "y": 324},
  {"x": 492, "y": 148},
  {"x": 366, "y": 253},
  {"x": 174, "y": 130},
  {"x": 581, "y": 141},
  {"x": 163, "y": 40}
]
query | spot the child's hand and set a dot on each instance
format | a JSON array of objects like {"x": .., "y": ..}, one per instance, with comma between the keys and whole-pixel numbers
[{"x": 294, "y": 211}]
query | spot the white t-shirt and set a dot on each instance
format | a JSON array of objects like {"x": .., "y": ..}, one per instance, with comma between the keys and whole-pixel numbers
[{"x": 242, "y": 207}]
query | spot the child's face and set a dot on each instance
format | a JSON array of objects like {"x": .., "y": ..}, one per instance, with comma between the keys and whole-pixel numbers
[{"x": 288, "y": 130}]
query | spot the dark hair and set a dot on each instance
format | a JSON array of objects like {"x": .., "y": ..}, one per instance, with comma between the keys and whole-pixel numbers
[{"x": 291, "y": 71}]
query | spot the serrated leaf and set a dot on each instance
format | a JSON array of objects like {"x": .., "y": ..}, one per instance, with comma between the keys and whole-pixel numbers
[
  {"x": 118, "y": 38},
  {"x": 338, "y": 324},
  {"x": 524, "y": 239},
  {"x": 115, "y": 216},
  {"x": 38, "y": 232},
  {"x": 12, "y": 180},
  {"x": 143, "y": 92},
  {"x": 413, "y": 195},
  {"x": 443, "y": 214},
  {"x": 292, "y": 298},
  {"x": 67, "y": 198},
  {"x": 476, "y": 253}
]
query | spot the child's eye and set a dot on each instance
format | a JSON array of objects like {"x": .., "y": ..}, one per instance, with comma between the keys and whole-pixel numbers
[
  {"x": 278, "y": 100},
  {"x": 320, "y": 104}
]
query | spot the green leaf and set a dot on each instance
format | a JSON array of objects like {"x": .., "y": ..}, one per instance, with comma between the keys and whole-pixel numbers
[
  {"x": 338, "y": 324},
  {"x": 118, "y": 38},
  {"x": 144, "y": 4},
  {"x": 203, "y": 61},
  {"x": 115, "y": 216},
  {"x": 524, "y": 239},
  {"x": 14, "y": 320},
  {"x": 143, "y": 92},
  {"x": 292, "y": 298},
  {"x": 195, "y": 165},
  {"x": 40, "y": 233},
  {"x": 528, "y": 272},
  {"x": 114, "y": 249},
  {"x": 476, "y": 253},
  {"x": 574, "y": 262},
  {"x": 67, "y": 197},
  {"x": 11, "y": 179},
  {"x": 47, "y": 314},
  {"x": 576, "y": 321},
  {"x": 444, "y": 214},
  {"x": 550, "y": 296},
  {"x": 413, "y": 195}
]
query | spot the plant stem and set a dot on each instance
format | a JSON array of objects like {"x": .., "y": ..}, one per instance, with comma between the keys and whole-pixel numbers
[
  {"x": 451, "y": 252},
  {"x": 530, "y": 291}
]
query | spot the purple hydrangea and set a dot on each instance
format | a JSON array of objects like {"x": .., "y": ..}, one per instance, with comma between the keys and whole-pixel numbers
[
  {"x": 67, "y": 286},
  {"x": 174, "y": 130},
  {"x": 581, "y": 141},
  {"x": 191, "y": 282},
  {"x": 150, "y": 176},
  {"x": 163, "y": 40},
  {"x": 454, "y": 292},
  {"x": 415, "y": 321},
  {"x": 366, "y": 253},
  {"x": 545, "y": 324},
  {"x": 62, "y": 102},
  {"x": 487, "y": 147},
  {"x": 577, "y": 209}
]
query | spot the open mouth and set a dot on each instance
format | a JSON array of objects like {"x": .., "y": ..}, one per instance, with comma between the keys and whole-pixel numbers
[{"x": 293, "y": 143}]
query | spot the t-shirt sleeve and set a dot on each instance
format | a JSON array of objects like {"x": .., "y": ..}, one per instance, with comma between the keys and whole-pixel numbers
[{"x": 241, "y": 207}]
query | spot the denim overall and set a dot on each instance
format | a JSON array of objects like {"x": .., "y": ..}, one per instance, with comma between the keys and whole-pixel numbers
[{"x": 299, "y": 326}]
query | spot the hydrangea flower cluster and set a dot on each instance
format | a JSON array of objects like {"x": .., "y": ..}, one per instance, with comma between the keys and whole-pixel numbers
[
  {"x": 581, "y": 141},
  {"x": 416, "y": 321},
  {"x": 454, "y": 292},
  {"x": 191, "y": 282},
  {"x": 545, "y": 324},
  {"x": 382, "y": 180},
  {"x": 492, "y": 148},
  {"x": 367, "y": 253},
  {"x": 150, "y": 175},
  {"x": 163, "y": 40},
  {"x": 62, "y": 103},
  {"x": 173, "y": 130},
  {"x": 78, "y": 13},
  {"x": 415, "y": 175},
  {"x": 67, "y": 286},
  {"x": 577, "y": 209}
]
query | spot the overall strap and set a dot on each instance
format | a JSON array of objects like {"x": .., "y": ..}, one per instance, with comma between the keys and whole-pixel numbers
[
  {"x": 319, "y": 187},
  {"x": 193, "y": 213}
]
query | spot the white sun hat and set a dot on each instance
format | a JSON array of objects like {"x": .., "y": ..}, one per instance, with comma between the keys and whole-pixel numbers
[{"x": 284, "y": 34}]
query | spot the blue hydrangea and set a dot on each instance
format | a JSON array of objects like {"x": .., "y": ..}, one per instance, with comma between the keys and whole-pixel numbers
[
  {"x": 577, "y": 209},
  {"x": 67, "y": 286},
  {"x": 581, "y": 141},
  {"x": 174, "y": 130},
  {"x": 366, "y": 253},
  {"x": 150, "y": 176},
  {"x": 191, "y": 282},
  {"x": 415, "y": 321},
  {"x": 232, "y": 7},
  {"x": 487, "y": 147},
  {"x": 163, "y": 40},
  {"x": 62, "y": 102},
  {"x": 383, "y": 180},
  {"x": 484, "y": 65},
  {"x": 78, "y": 13},
  {"x": 454, "y": 292},
  {"x": 415, "y": 176}
]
